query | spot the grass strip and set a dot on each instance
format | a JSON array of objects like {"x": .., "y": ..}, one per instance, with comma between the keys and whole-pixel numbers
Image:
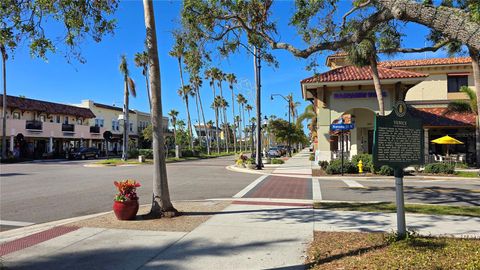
[
  {"x": 117, "y": 161},
  {"x": 387, "y": 207},
  {"x": 360, "y": 250},
  {"x": 466, "y": 174}
]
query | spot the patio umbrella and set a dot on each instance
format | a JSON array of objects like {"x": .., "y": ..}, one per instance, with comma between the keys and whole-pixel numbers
[{"x": 446, "y": 140}]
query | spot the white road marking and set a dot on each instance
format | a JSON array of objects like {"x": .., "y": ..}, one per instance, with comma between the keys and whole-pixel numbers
[
  {"x": 15, "y": 223},
  {"x": 353, "y": 184},
  {"x": 316, "y": 190},
  {"x": 250, "y": 187}
]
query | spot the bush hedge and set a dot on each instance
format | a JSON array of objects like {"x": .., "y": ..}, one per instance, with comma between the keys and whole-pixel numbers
[
  {"x": 335, "y": 167},
  {"x": 277, "y": 161},
  {"x": 312, "y": 157},
  {"x": 437, "y": 168},
  {"x": 323, "y": 164},
  {"x": 148, "y": 153},
  {"x": 385, "y": 170}
]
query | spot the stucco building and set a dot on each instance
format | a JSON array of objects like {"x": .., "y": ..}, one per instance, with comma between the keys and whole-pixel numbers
[{"x": 427, "y": 85}]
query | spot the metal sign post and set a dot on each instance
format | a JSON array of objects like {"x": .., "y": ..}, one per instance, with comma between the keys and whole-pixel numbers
[
  {"x": 342, "y": 128},
  {"x": 398, "y": 143}
]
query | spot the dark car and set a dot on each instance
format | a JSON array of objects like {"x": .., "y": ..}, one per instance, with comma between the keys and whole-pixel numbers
[{"x": 83, "y": 153}]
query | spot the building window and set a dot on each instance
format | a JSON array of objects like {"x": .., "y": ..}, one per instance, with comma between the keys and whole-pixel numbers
[
  {"x": 456, "y": 82},
  {"x": 115, "y": 125},
  {"x": 58, "y": 119},
  {"x": 16, "y": 115},
  {"x": 79, "y": 121},
  {"x": 42, "y": 118},
  {"x": 65, "y": 120},
  {"x": 99, "y": 122},
  {"x": 131, "y": 127}
]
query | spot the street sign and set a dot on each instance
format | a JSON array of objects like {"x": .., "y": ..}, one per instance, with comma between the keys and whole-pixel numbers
[
  {"x": 342, "y": 126},
  {"x": 398, "y": 143},
  {"x": 398, "y": 139}
]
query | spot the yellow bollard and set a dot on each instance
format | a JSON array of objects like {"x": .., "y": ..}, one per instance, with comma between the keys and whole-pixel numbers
[{"x": 360, "y": 166}]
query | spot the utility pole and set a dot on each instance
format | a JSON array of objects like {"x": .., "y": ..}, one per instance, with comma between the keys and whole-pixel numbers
[{"x": 257, "y": 66}]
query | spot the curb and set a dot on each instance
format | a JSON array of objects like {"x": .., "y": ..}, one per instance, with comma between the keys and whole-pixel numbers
[{"x": 233, "y": 168}]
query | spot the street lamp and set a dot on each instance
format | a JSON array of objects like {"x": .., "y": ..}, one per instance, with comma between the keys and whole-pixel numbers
[{"x": 289, "y": 124}]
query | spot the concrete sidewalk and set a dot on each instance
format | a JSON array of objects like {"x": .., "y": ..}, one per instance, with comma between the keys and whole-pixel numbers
[
  {"x": 245, "y": 235},
  {"x": 298, "y": 165}
]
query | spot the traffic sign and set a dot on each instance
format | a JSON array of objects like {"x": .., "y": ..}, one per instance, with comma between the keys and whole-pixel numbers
[{"x": 342, "y": 126}]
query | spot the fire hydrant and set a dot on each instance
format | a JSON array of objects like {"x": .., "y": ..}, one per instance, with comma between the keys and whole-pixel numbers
[{"x": 360, "y": 166}]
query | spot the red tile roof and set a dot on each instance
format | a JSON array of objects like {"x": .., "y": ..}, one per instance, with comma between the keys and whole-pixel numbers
[
  {"x": 438, "y": 117},
  {"x": 27, "y": 104},
  {"x": 426, "y": 62},
  {"x": 353, "y": 73}
]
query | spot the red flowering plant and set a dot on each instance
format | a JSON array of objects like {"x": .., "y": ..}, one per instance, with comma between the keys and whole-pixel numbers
[{"x": 126, "y": 190}]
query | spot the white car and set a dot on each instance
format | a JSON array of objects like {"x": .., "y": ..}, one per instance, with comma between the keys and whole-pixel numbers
[{"x": 274, "y": 152}]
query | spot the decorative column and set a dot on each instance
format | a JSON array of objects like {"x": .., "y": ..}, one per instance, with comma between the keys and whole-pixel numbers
[
  {"x": 11, "y": 142},
  {"x": 50, "y": 145}
]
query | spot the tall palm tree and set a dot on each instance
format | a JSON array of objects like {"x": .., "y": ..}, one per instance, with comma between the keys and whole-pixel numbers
[
  {"x": 220, "y": 78},
  {"x": 211, "y": 75},
  {"x": 216, "y": 105},
  {"x": 196, "y": 82},
  {"x": 173, "y": 116},
  {"x": 475, "y": 55},
  {"x": 141, "y": 60},
  {"x": 178, "y": 51},
  {"x": 184, "y": 92},
  {"x": 4, "y": 101},
  {"x": 161, "y": 203},
  {"x": 249, "y": 108},
  {"x": 232, "y": 79},
  {"x": 129, "y": 88},
  {"x": 241, "y": 100},
  {"x": 236, "y": 123},
  {"x": 292, "y": 105}
]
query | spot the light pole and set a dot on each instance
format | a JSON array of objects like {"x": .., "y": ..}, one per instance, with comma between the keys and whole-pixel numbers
[{"x": 289, "y": 124}]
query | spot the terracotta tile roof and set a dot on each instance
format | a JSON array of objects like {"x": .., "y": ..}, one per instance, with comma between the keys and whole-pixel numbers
[
  {"x": 27, "y": 104},
  {"x": 436, "y": 117},
  {"x": 353, "y": 73},
  {"x": 426, "y": 62}
]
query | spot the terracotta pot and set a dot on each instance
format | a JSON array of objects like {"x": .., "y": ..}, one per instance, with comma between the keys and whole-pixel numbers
[{"x": 125, "y": 210}]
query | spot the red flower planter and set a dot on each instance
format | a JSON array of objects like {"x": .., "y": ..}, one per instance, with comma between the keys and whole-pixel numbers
[{"x": 125, "y": 210}]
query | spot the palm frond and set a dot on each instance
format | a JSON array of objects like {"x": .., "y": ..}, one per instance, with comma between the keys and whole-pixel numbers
[
  {"x": 123, "y": 65},
  {"x": 458, "y": 107},
  {"x": 131, "y": 86}
]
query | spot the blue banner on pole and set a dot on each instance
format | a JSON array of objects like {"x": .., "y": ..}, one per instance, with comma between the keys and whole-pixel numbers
[{"x": 342, "y": 126}]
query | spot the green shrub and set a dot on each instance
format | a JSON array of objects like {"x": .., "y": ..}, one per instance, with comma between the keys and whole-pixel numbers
[
  {"x": 312, "y": 157},
  {"x": 323, "y": 164},
  {"x": 187, "y": 153},
  {"x": 250, "y": 161},
  {"x": 385, "y": 170},
  {"x": 277, "y": 161},
  {"x": 148, "y": 153},
  {"x": 133, "y": 153},
  {"x": 366, "y": 161},
  {"x": 443, "y": 168},
  {"x": 335, "y": 167}
]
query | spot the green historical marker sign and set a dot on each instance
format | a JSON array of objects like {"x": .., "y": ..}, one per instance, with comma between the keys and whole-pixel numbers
[
  {"x": 398, "y": 139},
  {"x": 398, "y": 143}
]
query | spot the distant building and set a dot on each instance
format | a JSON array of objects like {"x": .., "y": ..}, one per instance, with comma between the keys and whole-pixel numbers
[
  {"x": 39, "y": 128},
  {"x": 211, "y": 131}
]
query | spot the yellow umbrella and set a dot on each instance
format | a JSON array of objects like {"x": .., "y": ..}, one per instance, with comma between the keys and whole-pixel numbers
[{"x": 446, "y": 140}]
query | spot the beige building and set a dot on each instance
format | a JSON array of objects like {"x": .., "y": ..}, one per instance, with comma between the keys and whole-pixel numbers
[
  {"x": 427, "y": 85},
  {"x": 38, "y": 129}
]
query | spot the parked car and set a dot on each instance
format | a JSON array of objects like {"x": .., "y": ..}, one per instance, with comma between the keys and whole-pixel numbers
[
  {"x": 283, "y": 149},
  {"x": 83, "y": 153},
  {"x": 274, "y": 152}
]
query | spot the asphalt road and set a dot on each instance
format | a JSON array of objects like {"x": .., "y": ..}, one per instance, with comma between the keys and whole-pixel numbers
[{"x": 48, "y": 191}]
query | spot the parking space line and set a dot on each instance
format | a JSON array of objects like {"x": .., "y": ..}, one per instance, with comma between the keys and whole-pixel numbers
[
  {"x": 316, "y": 190},
  {"x": 15, "y": 223},
  {"x": 353, "y": 184},
  {"x": 250, "y": 187}
]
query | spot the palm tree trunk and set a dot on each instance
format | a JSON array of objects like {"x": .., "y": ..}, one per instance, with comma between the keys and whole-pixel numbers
[
  {"x": 216, "y": 130},
  {"x": 148, "y": 92},
  {"x": 376, "y": 83},
  {"x": 244, "y": 132},
  {"x": 189, "y": 122},
  {"x": 234, "y": 124},
  {"x": 4, "y": 105},
  {"x": 198, "y": 116},
  {"x": 475, "y": 55},
  {"x": 204, "y": 123},
  {"x": 161, "y": 203},
  {"x": 226, "y": 132},
  {"x": 126, "y": 124}
]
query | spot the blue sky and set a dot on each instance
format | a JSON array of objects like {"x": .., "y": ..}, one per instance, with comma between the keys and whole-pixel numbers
[{"x": 100, "y": 80}]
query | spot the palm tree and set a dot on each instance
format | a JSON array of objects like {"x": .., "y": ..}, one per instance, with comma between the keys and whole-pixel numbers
[
  {"x": 249, "y": 108},
  {"x": 4, "y": 101},
  {"x": 178, "y": 51},
  {"x": 308, "y": 113},
  {"x": 184, "y": 92},
  {"x": 475, "y": 55},
  {"x": 292, "y": 106},
  {"x": 216, "y": 105},
  {"x": 210, "y": 75},
  {"x": 241, "y": 103},
  {"x": 365, "y": 54},
  {"x": 220, "y": 78},
  {"x": 141, "y": 60},
  {"x": 232, "y": 79},
  {"x": 236, "y": 123},
  {"x": 161, "y": 203},
  {"x": 129, "y": 87},
  {"x": 173, "y": 116},
  {"x": 196, "y": 82}
]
